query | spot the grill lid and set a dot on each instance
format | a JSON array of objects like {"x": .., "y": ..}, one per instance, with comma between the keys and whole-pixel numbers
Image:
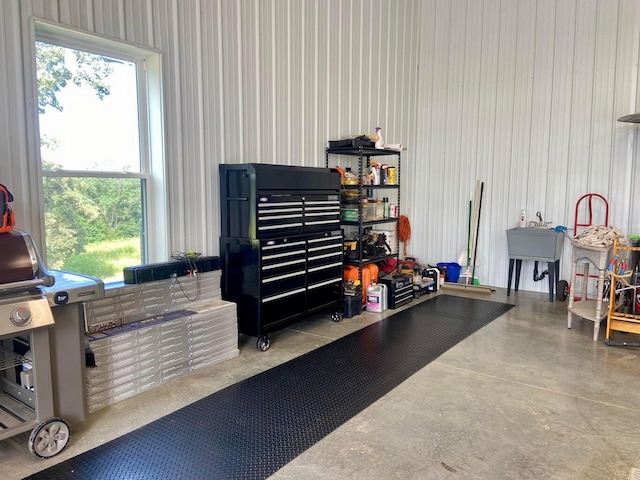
[{"x": 20, "y": 264}]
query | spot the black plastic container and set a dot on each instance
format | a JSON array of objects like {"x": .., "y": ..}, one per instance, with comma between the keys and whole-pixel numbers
[{"x": 352, "y": 305}]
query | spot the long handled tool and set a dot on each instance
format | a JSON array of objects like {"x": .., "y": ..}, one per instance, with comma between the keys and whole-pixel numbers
[
  {"x": 475, "y": 248},
  {"x": 472, "y": 244},
  {"x": 471, "y": 231},
  {"x": 469, "y": 243}
]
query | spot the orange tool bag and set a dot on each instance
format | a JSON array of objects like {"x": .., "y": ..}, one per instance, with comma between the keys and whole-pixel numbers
[{"x": 7, "y": 218}]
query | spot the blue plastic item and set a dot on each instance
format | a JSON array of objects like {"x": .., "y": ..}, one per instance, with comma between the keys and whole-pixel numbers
[{"x": 452, "y": 271}]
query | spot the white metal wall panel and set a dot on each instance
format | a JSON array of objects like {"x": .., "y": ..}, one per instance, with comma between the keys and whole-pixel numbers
[
  {"x": 522, "y": 95},
  {"x": 492, "y": 87},
  {"x": 524, "y": 122},
  {"x": 511, "y": 117},
  {"x": 548, "y": 79},
  {"x": 252, "y": 81},
  {"x": 563, "y": 15},
  {"x": 193, "y": 168},
  {"x": 625, "y": 134},
  {"x": 16, "y": 144},
  {"x": 583, "y": 61}
]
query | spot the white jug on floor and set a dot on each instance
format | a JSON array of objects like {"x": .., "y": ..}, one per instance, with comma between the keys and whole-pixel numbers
[{"x": 377, "y": 298}]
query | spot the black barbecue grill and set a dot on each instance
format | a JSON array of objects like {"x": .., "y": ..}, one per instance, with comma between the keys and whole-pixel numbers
[{"x": 26, "y": 391}]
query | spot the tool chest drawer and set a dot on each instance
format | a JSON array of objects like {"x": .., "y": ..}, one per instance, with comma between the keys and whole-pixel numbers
[
  {"x": 277, "y": 280},
  {"x": 270, "y": 201}
]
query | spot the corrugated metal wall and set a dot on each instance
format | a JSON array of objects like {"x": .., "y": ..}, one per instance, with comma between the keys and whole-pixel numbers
[
  {"x": 245, "y": 81},
  {"x": 520, "y": 94},
  {"x": 523, "y": 95}
]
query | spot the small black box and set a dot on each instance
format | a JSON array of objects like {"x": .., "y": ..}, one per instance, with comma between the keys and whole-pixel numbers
[
  {"x": 425, "y": 287},
  {"x": 352, "y": 142},
  {"x": 161, "y": 271},
  {"x": 352, "y": 305}
]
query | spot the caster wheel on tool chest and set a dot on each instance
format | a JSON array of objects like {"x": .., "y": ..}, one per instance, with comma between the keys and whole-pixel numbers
[
  {"x": 263, "y": 343},
  {"x": 562, "y": 290},
  {"x": 49, "y": 438},
  {"x": 336, "y": 317}
]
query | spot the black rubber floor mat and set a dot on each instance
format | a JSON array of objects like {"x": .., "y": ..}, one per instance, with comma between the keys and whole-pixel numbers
[{"x": 253, "y": 428}]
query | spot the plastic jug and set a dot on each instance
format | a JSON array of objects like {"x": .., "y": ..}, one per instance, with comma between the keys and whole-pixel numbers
[{"x": 376, "y": 298}]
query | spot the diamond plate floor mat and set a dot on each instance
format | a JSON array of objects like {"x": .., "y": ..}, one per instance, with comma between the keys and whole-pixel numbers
[{"x": 253, "y": 428}]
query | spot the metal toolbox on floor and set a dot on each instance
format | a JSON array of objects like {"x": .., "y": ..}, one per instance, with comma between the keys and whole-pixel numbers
[{"x": 399, "y": 289}]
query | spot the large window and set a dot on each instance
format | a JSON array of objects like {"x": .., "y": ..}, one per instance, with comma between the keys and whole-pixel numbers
[{"x": 100, "y": 150}]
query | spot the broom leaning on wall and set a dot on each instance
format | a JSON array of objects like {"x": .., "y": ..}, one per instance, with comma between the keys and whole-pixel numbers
[{"x": 475, "y": 209}]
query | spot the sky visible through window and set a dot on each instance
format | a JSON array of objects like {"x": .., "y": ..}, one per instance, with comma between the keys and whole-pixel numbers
[{"x": 94, "y": 134}]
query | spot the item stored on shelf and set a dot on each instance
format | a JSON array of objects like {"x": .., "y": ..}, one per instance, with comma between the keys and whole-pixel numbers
[
  {"x": 375, "y": 174},
  {"x": 373, "y": 246},
  {"x": 359, "y": 141},
  {"x": 384, "y": 174},
  {"x": 391, "y": 176},
  {"x": 391, "y": 237},
  {"x": 349, "y": 214},
  {"x": 374, "y": 211}
]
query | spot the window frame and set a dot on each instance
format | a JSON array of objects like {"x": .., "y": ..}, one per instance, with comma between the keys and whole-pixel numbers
[{"x": 150, "y": 129}]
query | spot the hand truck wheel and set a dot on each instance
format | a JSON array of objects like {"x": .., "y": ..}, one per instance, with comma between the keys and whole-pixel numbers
[{"x": 562, "y": 290}]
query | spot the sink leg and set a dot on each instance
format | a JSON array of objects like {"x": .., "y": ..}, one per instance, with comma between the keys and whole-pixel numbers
[
  {"x": 511, "y": 261},
  {"x": 518, "y": 272},
  {"x": 552, "y": 274}
]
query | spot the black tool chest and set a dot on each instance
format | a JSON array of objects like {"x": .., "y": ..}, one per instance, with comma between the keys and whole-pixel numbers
[
  {"x": 399, "y": 289},
  {"x": 281, "y": 244}
]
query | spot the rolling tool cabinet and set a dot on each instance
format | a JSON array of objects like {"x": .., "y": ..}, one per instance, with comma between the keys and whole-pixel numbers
[{"x": 281, "y": 245}]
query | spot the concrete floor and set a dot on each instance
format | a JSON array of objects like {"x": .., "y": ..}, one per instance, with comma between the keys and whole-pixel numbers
[{"x": 523, "y": 398}]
